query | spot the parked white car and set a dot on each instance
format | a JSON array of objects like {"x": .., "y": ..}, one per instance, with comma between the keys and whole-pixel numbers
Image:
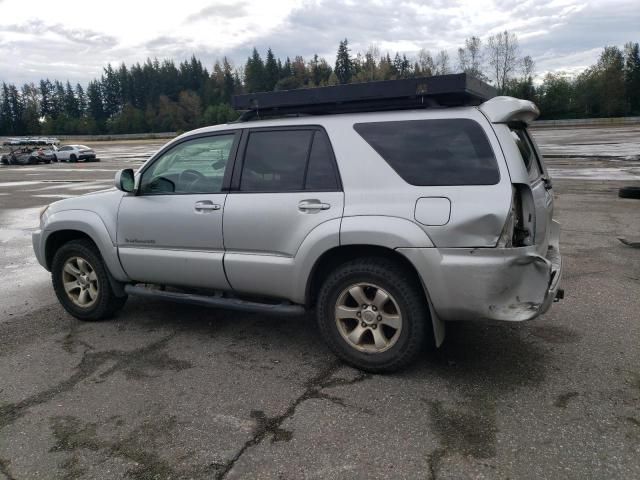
[{"x": 74, "y": 153}]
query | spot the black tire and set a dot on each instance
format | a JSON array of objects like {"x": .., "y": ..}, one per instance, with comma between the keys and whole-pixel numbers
[
  {"x": 73, "y": 158},
  {"x": 629, "y": 192},
  {"x": 406, "y": 292},
  {"x": 106, "y": 303}
]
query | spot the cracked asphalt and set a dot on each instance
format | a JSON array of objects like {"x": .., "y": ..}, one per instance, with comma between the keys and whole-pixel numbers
[{"x": 167, "y": 391}]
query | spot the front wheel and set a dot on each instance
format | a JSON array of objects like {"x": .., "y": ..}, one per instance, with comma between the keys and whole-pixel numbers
[
  {"x": 373, "y": 314},
  {"x": 81, "y": 282}
]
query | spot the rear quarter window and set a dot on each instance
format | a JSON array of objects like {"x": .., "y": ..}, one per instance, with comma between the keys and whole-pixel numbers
[
  {"x": 527, "y": 152},
  {"x": 434, "y": 152}
]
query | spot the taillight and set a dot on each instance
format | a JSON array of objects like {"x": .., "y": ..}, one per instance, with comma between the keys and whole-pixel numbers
[{"x": 518, "y": 228}]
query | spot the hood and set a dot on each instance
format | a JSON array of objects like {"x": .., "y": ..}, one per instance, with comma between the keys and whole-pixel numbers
[{"x": 94, "y": 201}]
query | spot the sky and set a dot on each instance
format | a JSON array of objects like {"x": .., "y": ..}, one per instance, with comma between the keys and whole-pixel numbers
[{"x": 70, "y": 39}]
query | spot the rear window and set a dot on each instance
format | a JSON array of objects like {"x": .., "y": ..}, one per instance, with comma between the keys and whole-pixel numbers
[
  {"x": 527, "y": 152},
  {"x": 434, "y": 152}
]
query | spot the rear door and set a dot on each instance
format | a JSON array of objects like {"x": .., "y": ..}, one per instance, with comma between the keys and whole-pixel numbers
[{"x": 285, "y": 185}]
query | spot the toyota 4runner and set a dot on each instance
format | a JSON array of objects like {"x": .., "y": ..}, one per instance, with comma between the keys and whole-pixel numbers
[{"x": 389, "y": 208}]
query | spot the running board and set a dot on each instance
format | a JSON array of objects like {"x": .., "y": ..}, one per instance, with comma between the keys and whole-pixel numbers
[{"x": 217, "y": 301}]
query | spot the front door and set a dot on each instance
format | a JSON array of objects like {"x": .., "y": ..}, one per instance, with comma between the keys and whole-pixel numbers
[{"x": 170, "y": 231}]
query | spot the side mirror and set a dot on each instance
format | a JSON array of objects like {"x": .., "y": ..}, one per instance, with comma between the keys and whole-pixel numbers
[{"x": 125, "y": 180}]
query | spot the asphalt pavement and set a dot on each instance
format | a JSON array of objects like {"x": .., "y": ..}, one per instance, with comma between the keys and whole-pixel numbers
[{"x": 167, "y": 391}]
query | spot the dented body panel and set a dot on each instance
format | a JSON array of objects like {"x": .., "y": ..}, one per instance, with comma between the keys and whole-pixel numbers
[{"x": 508, "y": 284}]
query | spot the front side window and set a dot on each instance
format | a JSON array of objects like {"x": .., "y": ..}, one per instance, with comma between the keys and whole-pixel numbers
[
  {"x": 434, "y": 152},
  {"x": 193, "y": 166},
  {"x": 288, "y": 160}
]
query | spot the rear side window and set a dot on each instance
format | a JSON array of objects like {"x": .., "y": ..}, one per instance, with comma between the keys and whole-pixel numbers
[
  {"x": 527, "y": 152},
  {"x": 321, "y": 172},
  {"x": 288, "y": 160},
  {"x": 434, "y": 152}
]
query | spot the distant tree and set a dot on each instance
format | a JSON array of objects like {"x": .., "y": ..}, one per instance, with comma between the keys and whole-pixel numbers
[
  {"x": 369, "y": 70},
  {"x": 271, "y": 72},
  {"x": 344, "y": 65},
  {"x": 288, "y": 83},
  {"x": 502, "y": 55},
  {"x": 632, "y": 77},
  {"x": 71, "y": 108},
  {"x": 609, "y": 82},
  {"x": 556, "y": 96},
  {"x": 300, "y": 72},
  {"x": 442, "y": 65},
  {"x": 470, "y": 58},
  {"x": 46, "y": 98},
  {"x": 110, "y": 89},
  {"x": 190, "y": 109},
  {"x": 254, "y": 73},
  {"x": 425, "y": 66},
  {"x": 128, "y": 120},
  {"x": 31, "y": 108},
  {"x": 81, "y": 98},
  {"x": 6, "y": 115},
  {"x": 95, "y": 106}
]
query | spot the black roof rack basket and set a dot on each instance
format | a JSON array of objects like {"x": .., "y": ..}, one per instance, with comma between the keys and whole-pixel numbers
[{"x": 439, "y": 91}]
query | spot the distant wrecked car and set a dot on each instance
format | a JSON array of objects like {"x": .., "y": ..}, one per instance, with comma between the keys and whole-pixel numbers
[
  {"x": 74, "y": 153},
  {"x": 29, "y": 151}
]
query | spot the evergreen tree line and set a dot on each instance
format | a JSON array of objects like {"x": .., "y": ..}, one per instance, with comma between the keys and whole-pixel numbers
[{"x": 159, "y": 96}]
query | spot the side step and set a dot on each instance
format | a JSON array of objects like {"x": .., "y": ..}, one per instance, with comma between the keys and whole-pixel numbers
[{"x": 217, "y": 301}]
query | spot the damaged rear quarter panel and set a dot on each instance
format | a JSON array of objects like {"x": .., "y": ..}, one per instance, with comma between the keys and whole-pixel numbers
[{"x": 472, "y": 284}]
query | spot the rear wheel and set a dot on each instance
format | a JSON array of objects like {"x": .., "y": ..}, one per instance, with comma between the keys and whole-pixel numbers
[
  {"x": 373, "y": 315},
  {"x": 73, "y": 158},
  {"x": 81, "y": 282}
]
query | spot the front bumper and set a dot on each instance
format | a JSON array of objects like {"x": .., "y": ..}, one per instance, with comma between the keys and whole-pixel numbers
[{"x": 510, "y": 284}]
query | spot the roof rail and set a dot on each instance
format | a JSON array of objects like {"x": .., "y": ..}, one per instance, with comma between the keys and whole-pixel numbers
[{"x": 424, "y": 92}]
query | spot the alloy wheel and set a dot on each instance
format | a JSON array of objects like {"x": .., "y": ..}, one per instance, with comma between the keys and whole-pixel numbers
[
  {"x": 80, "y": 281},
  {"x": 368, "y": 318}
]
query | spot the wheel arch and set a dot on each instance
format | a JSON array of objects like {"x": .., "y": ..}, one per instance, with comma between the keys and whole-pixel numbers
[
  {"x": 57, "y": 239},
  {"x": 61, "y": 237},
  {"x": 68, "y": 225},
  {"x": 336, "y": 256}
]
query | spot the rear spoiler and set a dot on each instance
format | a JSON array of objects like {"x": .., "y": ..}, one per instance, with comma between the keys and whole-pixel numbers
[{"x": 509, "y": 109}]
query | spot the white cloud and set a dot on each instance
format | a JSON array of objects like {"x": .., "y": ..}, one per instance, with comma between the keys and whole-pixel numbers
[{"x": 74, "y": 39}]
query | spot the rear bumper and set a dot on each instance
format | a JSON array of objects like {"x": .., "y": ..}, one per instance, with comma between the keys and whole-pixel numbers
[{"x": 509, "y": 284}]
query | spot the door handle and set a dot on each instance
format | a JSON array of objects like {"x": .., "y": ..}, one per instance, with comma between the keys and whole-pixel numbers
[
  {"x": 312, "y": 205},
  {"x": 206, "y": 205}
]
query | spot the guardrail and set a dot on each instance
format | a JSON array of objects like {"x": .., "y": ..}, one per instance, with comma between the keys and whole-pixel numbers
[{"x": 588, "y": 122}]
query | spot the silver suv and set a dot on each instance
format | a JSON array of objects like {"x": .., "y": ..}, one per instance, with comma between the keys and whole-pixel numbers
[{"x": 387, "y": 223}]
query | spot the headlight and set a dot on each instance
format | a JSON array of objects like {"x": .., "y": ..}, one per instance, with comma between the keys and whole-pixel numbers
[{"x": 42, "y": 210}]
